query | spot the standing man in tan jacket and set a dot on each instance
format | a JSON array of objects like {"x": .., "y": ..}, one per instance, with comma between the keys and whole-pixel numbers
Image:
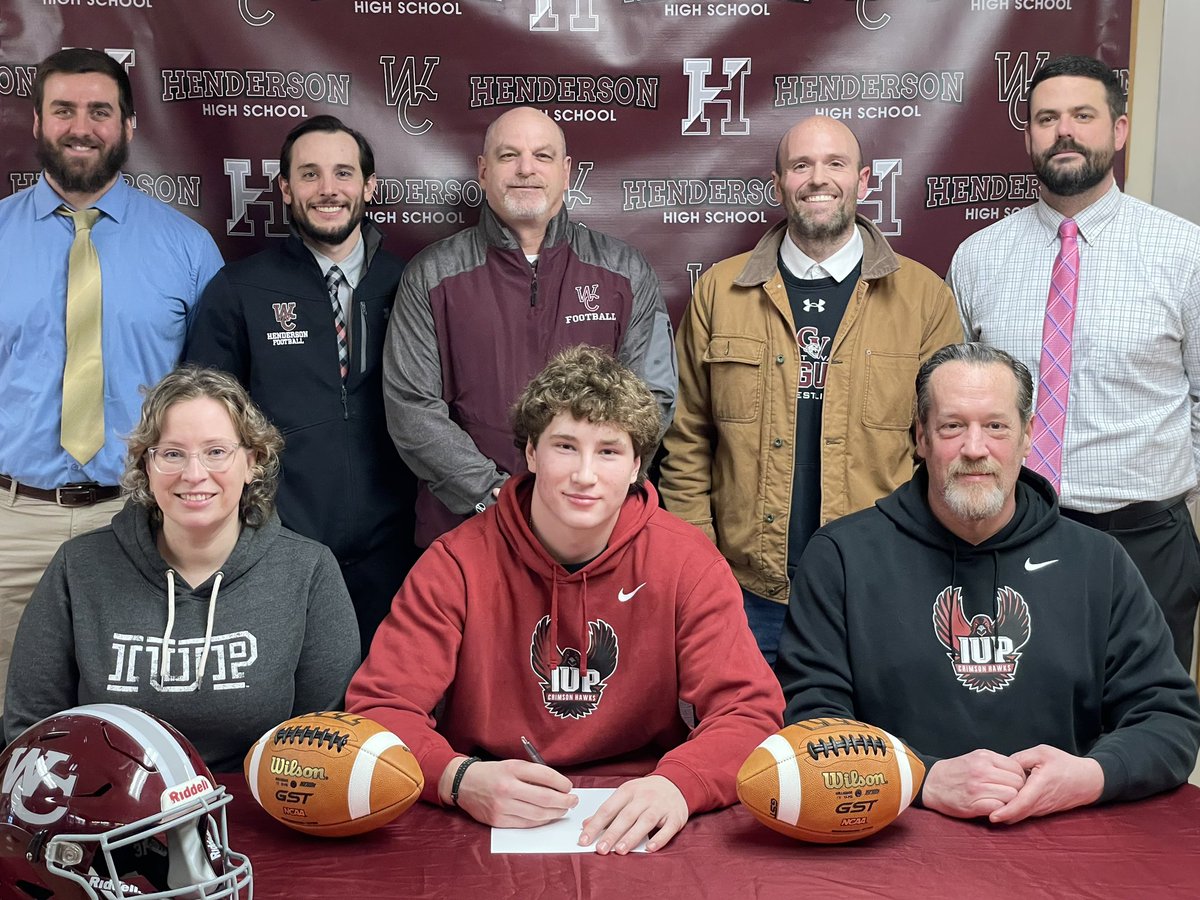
[{"x": 796, "y": 369}]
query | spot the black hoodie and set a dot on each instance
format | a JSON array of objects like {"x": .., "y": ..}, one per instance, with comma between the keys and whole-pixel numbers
[{"x": 1044, "y": 633}]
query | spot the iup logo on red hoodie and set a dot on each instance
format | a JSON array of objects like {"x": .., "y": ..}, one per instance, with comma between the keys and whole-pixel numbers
[{"x": 567, "y": 692}]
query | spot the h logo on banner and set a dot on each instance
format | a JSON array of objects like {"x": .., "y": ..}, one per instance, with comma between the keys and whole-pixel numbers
[
  {"x": 728, "y": 94},
  {"x": 244, "y": 198}
]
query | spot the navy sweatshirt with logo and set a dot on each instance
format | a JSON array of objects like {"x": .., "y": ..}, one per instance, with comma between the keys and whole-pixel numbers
[{"x": 1044, "y": 633}]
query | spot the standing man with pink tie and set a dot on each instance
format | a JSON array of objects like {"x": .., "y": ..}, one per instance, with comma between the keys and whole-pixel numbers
[{"x": 1099, "y": 294}]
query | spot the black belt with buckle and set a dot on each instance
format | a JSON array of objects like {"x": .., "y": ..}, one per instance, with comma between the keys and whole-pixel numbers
[
  {"x": 1126, "y": 517},
  {"x": 69, "y": 495}
]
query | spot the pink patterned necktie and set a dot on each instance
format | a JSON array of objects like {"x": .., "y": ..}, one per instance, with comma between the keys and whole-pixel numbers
[{"x": 1054, "y": 377}]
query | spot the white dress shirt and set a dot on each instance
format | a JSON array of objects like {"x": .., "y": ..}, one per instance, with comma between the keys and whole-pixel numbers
[{"x": 837, "y": 266}]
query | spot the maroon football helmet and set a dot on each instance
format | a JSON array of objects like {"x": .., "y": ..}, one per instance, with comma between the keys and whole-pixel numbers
[{"x": 106, "y": 801}]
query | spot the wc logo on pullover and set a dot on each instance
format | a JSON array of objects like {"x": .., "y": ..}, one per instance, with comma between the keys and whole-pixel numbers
[
  {"x": 567, "y": 692},
  {"x": 983, "y": 651}
]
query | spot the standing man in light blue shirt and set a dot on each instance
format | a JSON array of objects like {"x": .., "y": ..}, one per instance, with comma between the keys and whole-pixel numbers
[{"x": 153, "y": 263}]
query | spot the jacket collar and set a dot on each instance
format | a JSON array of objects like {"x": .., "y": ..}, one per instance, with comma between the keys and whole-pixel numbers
[
  {"x": 879, "y": 260},
  {"x": 496, "y": 233},
  {"x": 371, "y": 235}
]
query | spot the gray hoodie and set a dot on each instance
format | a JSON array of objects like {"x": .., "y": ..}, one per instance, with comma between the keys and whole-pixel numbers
[{"x": 270, "y": 636}]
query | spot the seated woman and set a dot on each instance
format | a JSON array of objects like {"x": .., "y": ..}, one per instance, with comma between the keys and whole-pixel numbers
[{"x": 195, "y": 604}]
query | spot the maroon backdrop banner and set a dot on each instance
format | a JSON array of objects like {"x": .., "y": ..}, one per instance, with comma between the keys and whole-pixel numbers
[{"x": 672, "y": 110}]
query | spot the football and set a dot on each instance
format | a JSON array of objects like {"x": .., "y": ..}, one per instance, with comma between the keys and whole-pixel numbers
[
  {"x": 829, "y": 780},
  {"x": 332, "y": 774}
]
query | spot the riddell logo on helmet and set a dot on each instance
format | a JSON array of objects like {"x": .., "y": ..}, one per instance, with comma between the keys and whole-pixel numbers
[
  {"x": 182, "y": 793},
  {"x": 106, "y": 885}
]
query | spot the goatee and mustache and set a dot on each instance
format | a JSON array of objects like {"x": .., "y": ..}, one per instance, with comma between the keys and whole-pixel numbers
[
  {"x": 1071, "y": 180},
  {"x": 81, "y": 175},
  {"x": 974, "y": 501}
]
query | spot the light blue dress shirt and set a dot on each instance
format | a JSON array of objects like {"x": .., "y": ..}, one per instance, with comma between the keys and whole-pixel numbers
[{"x": 154, "y": 263}]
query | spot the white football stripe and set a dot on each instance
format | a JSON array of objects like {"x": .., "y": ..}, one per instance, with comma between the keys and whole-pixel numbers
[
  {"x": 789, "y": 777},
  {"x": 255, "y": 762},
  {"x": 162, "y": 749},
  {"x": 905, "y": 769},
  {"x": 359, "y": 789}
]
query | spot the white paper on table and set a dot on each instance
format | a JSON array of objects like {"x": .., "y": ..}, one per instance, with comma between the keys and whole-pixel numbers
[{"x": 561, "y": 836}]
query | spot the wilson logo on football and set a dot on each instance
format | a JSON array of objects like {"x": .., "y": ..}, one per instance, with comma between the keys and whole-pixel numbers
[
  {"x": 840, "y": 781},
  {"x": 292, "y": 769}
]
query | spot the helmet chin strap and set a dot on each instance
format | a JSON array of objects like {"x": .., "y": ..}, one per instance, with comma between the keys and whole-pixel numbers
[{"x": 188, "y": 858}]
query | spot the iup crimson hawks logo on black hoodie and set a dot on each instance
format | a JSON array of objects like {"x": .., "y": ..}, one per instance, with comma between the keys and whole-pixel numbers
[
  {"x": 568, "y": 692},
  {"x": 984, "y": 651}
]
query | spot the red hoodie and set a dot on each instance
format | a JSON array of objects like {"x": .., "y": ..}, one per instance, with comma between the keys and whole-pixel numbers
[{"x": 491, "y": 622}]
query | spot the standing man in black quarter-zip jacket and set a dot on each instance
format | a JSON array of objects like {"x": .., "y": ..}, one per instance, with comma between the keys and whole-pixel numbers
[{"x": 301, "y": 325}]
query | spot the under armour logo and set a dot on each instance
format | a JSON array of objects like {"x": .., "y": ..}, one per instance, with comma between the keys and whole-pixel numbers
[
  {"x": 818, "y": 305},
  {"x": 588, "y": 295},
  {"x": 406, "y": 90}
]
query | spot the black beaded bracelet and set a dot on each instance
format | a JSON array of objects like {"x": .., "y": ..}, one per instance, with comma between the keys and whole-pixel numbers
[{"x": 458, "y": 777}]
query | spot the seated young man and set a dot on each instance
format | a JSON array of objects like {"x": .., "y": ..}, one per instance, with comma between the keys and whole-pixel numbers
[{"x": 575, "y": 613}]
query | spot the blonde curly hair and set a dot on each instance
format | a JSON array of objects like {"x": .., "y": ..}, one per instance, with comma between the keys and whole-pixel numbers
[{"x": 255, "y": 433}]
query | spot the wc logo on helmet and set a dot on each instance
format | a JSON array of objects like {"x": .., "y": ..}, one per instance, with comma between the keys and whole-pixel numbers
[{"x": 30, "y": 774}]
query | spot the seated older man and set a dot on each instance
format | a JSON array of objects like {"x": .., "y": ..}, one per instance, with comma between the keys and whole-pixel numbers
[{"x": 1018, "y": 652}]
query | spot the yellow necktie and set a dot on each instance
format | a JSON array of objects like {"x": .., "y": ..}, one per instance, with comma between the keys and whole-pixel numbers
[{"x": 83, "y": 374}]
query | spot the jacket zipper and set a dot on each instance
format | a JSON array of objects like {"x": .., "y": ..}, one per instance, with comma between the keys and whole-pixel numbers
[
  {"x": 345, "y": 407},
  {"x": 362, "y": 337},
  {"x": 533, "y": 289}
]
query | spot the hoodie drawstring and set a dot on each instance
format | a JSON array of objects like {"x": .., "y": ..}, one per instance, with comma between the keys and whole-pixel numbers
[
  {"x": 166, "y": 638},
  {"x": 208, "y": 630},
  {"x": 586, "y": 638},
  {"x": 554, "y": 648}
]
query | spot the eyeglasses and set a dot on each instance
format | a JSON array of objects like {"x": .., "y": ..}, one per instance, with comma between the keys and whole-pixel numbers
[{"x": 173, "y": 460}]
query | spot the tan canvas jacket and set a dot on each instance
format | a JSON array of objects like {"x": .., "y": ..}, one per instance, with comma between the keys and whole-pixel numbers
[{"x": 730, "y": 448}]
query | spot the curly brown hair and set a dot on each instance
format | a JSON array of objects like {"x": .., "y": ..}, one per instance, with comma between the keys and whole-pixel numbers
[
  {"x": 592, "y": 386},
  {"x": 255, "y": 433}
]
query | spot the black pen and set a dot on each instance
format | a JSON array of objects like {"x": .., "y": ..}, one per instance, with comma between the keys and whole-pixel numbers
[{"x": 531, "y": 751}]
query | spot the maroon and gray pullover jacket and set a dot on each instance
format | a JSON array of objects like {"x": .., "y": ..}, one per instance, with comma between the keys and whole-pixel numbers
[{"x": 474, "y": 321}]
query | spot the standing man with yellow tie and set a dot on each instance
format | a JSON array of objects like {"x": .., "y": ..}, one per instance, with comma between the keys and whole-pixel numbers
[
  {"x": 97, "y": 286},
  {"x": 1099, "y": 295}
]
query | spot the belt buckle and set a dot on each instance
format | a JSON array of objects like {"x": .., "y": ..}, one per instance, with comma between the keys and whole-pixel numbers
[{"x": 75, "y": 495}]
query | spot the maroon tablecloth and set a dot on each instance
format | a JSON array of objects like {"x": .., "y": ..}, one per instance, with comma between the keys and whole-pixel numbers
[{"x": 1147, "y": 849}]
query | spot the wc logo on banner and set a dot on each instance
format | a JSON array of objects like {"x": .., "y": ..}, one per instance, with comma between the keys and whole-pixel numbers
[
  {"x": 1013, "y": 77},
  {"x": 723, "y": 95},
  {"x": 860, "y": 10},
  {"x": 251, "y": 18},
  {"x": 406, "y": 90},
  {"x": 575, "y": 194}
]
